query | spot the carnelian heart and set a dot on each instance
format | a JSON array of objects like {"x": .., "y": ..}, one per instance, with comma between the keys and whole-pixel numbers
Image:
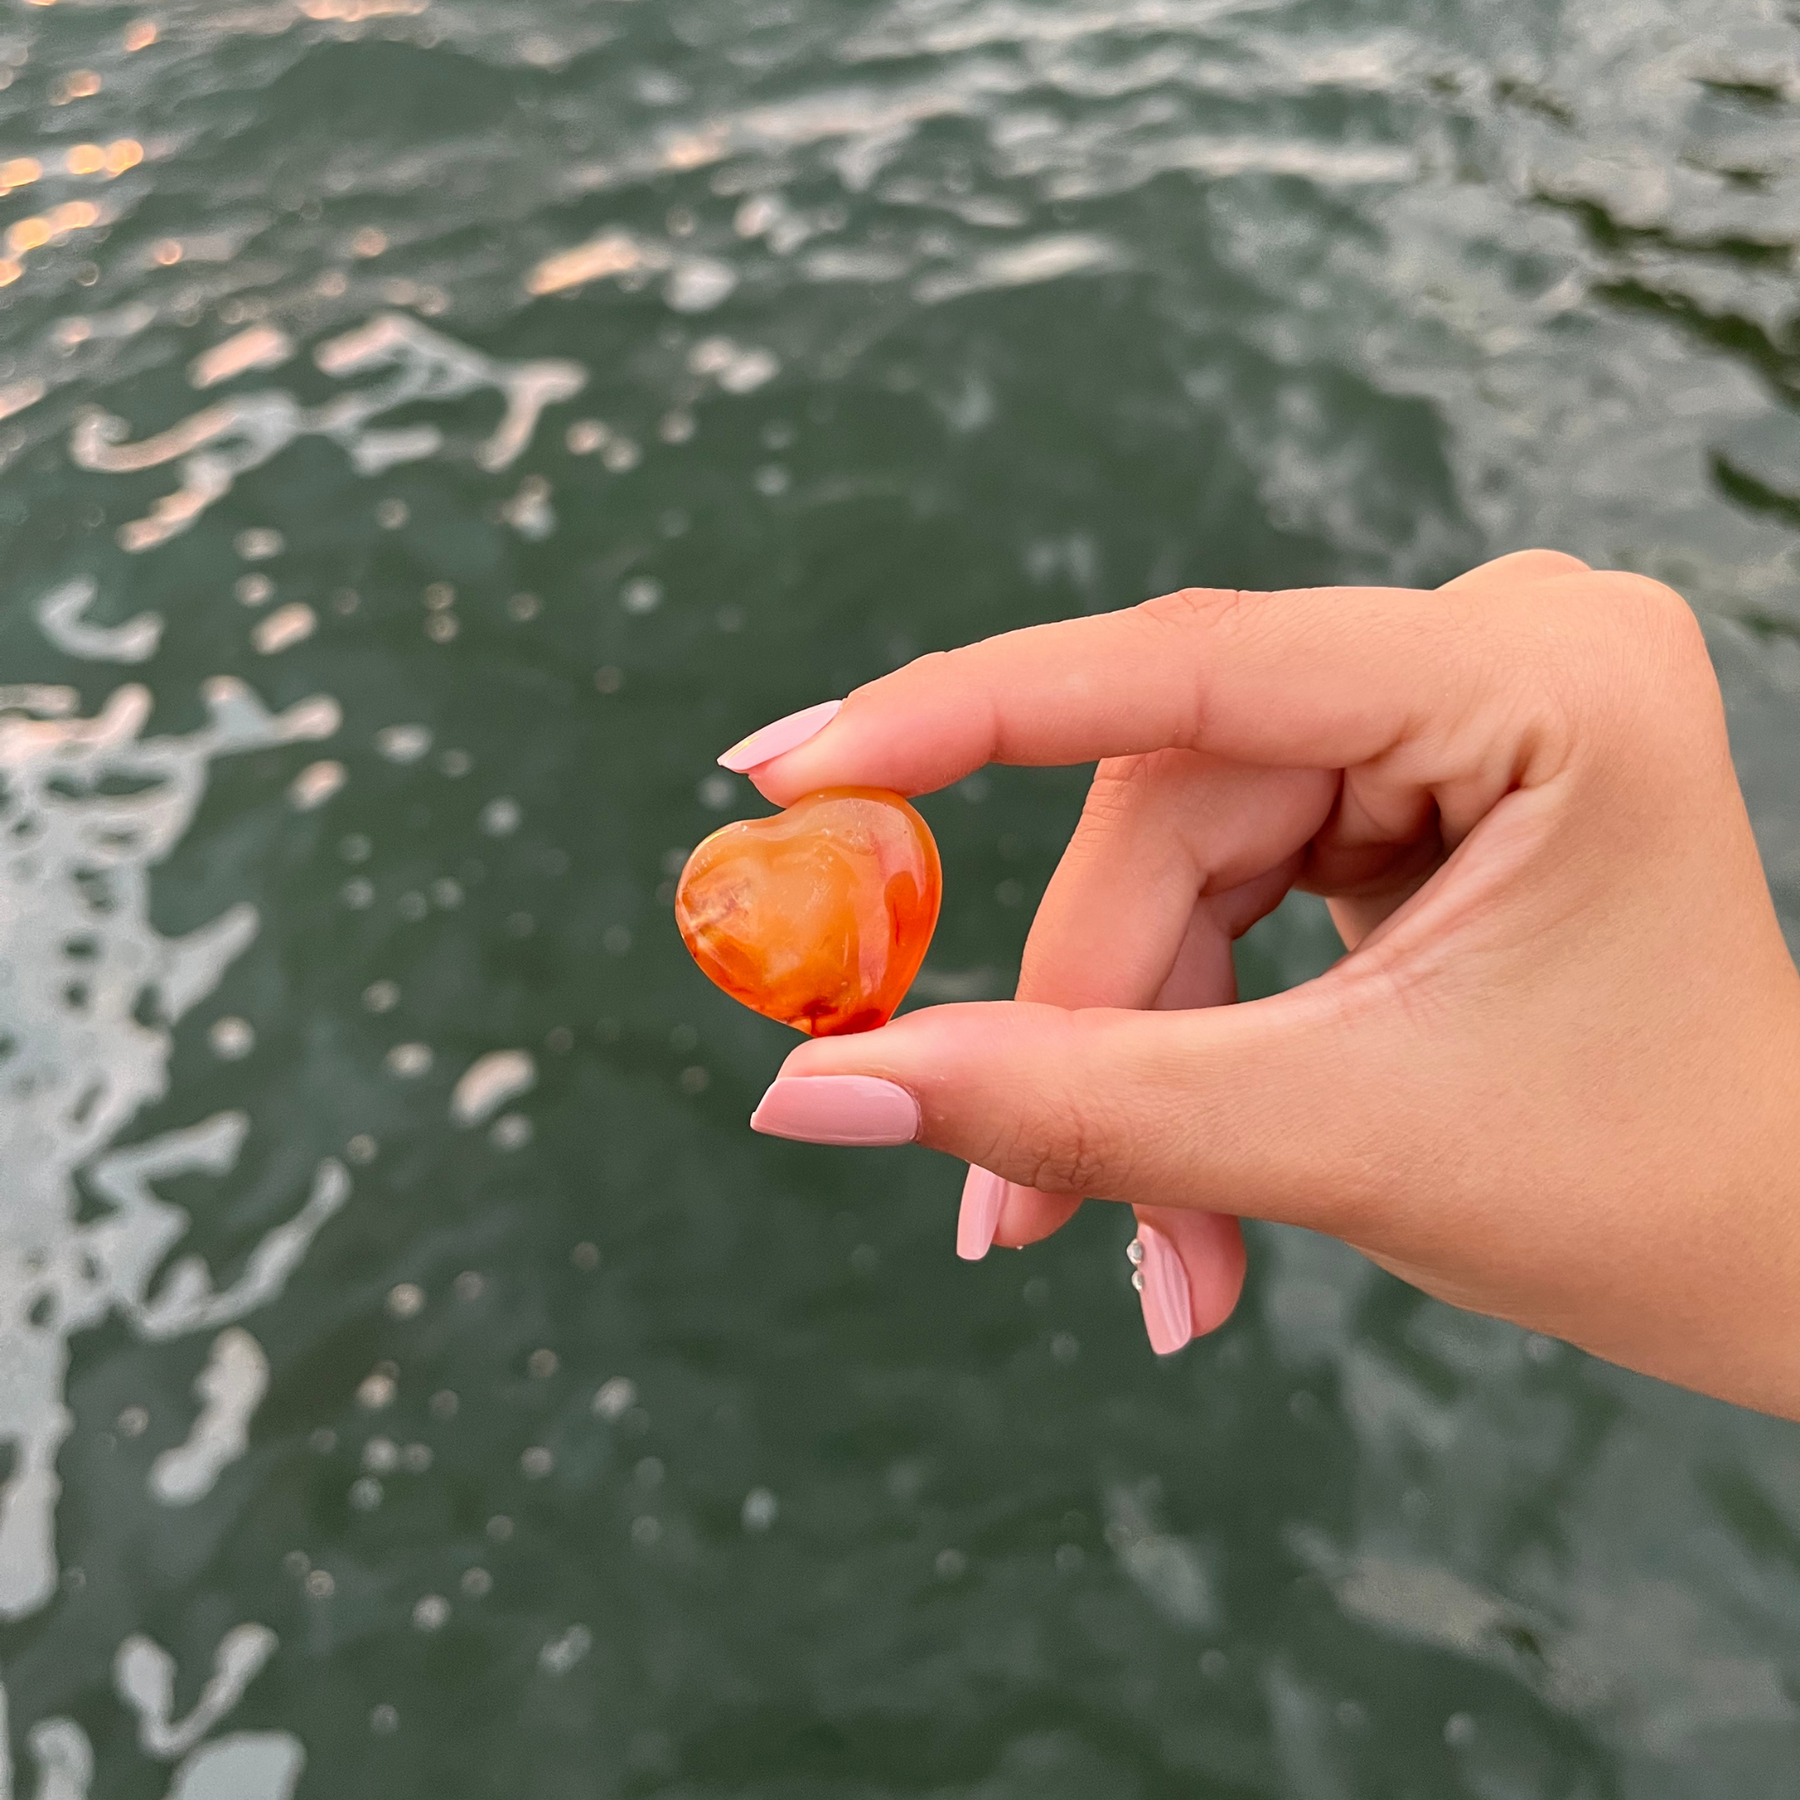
[{"x": 819, "y": 916}]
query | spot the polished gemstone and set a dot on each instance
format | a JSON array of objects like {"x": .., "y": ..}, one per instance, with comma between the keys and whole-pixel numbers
[{"x": 818, "y": 916}]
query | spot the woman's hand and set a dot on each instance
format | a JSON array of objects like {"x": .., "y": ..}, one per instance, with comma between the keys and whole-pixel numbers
[{"x": 1557, "y": 1078}]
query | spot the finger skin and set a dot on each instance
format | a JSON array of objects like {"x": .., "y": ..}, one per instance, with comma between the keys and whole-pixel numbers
[
  {"x": 1148, "y": 848},
  {"x": 1154, "y": 1108},
  {"x": 1158, "y": 836},
  {"x": 1321, "y": 678},
  {"x": 1151, "y": 837},
  {"x": 1191, "y": 851},
  {"x": 1202, "y": 669},
  {"x": 1512, "y": 570},
  {"x": 1557, "y": 1078},
  {"x": 1537, "y": 1094}
]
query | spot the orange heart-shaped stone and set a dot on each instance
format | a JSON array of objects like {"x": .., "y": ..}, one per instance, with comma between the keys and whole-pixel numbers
[{"x": 819, "y": 916}]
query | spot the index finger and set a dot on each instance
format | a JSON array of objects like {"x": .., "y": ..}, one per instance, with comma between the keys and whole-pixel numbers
[{"x": 1307, "y": 678}]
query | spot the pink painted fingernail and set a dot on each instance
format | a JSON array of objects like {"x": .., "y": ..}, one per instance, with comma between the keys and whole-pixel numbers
[
  {"x": 1162, "y": 1285},
  {"x": 983, "y": 1196},
  {"x": 837, "y": 1109},
  {"x": 777, "y": 739}
]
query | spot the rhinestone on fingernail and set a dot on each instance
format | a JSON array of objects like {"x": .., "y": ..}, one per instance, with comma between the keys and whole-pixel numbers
[
  {"x": 1137, "y": 1279},
  {"x": 1134, "y": 1253}
]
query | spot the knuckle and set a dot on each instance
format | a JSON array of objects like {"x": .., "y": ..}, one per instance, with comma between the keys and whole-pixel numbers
[
  {"x": 1076, "y": 1160},
  {"x": 1189, "y": 608},
  {"x": 1118, "y": 787},
  {"x": 1654, "y": 635},
  {"x": 1132, "y": 795},
  {"x": 1624, "y": 602},
  {"x": 933, "y": 664},
  {"x": 1502, "y": 575},
  {"x": 1646, "y": 602},
  {"x": 1065, "y": 1144},
  {"x": 1641, "y": 683},
  {"x": 1673, "y": 627},
  {"x": 1542, "y": 560},
  {"x": 1198, "y": 629}
]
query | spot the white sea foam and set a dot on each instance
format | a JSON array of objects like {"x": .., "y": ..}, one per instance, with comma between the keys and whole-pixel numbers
[
  {"x": 43, "y": 699},
  {"x": 737, "y": 368},
  {"x": 315, "y": 784},
  {"x": 17, "y": 395},
  {"x": 611, "y": 253},
  {"x": 529, "y": 511},
  {"x": 284, "y": 627},
  {"x": 259, "y": 347},
  {"x": 86, "y": 1015},
  {"x": 144, "y": 1674},
  {"x": 403, "y": 743},
  {"x": 1170, "y": 1570},
  {"x": 699, "y": 283},
  {"x": 60, "y": 1748},
  {"x": 488, "y": 1083},
  {"x": 561, "y": 1654},
  {"x": 61, "y": 616},
  {"x": 230, "y": 1387},
  {"x": 216, "y": 445},
  {"x": 247, "y": 1765}
]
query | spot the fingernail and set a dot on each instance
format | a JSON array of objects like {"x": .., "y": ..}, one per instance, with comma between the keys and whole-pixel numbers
[
  {"x": 775, "y": 740},
  {"x": 983, "y": 1196},
  {"x": 837, "y": 1109},
  {"x": 1162, "y": 1285}
]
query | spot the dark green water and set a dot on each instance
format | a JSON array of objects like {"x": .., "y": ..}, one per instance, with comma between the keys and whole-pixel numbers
[{"x": 908, "y": 323}]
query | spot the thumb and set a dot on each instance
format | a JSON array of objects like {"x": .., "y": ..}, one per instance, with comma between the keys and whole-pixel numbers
[{"x": 1224, "y": 1108}]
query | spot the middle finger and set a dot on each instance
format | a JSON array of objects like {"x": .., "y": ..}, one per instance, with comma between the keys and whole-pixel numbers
[{"x": 1176, "y": 855}]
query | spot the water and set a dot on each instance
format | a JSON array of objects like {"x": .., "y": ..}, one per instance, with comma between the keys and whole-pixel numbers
[{"x": 434, "y": 430}]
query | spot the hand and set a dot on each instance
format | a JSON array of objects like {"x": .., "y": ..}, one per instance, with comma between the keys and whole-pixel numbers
[{"x": 1556, "y": 1078}]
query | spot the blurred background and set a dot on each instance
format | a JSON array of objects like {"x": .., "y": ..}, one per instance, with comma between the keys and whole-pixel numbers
[{"x": 433, "y": 431}]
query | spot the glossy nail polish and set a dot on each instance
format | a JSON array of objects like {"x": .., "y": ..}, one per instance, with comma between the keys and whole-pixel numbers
[
  {"x": 777, "y": 739},
  {"x": 982, "y": 1198},
  {"x": 837, "y": 1109},
  {"x": 1162, "y": 1285}
]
